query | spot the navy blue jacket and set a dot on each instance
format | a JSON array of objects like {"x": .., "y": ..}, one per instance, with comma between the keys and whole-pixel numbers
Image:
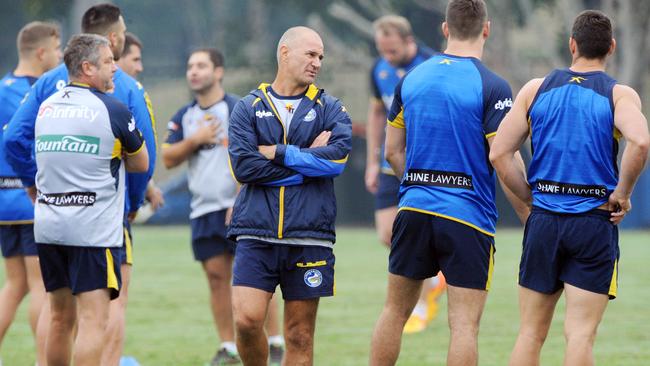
[{"x": 293, "y": 195}]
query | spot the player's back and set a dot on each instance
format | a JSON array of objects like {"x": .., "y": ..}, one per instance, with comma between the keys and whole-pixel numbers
[
  {"x": 80, "y": 178},
  {"x": 574, "y": 141},
  {"x": 450, "y": 106},
  {"x": 15, "y": 206}
]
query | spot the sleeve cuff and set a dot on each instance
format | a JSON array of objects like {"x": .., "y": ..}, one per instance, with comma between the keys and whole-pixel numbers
[
  {"x": 280, "y": 151},
  {"x": 136, "y": 151}
]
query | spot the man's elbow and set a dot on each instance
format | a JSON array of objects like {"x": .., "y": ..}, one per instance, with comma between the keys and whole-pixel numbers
[
  {"x": 138, "y": 163},
  {"x": 168, "y": 161},
  {"x": 336, "y": 170},
  {"x": 390, "y": 155},
  {"x": 496, "y": 158},
  {"x": 644, "y": 144},
  {"x": 138, "y": 167}
]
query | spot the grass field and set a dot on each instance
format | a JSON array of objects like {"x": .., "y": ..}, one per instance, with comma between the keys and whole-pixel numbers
[{"x": 169, "y": 322}]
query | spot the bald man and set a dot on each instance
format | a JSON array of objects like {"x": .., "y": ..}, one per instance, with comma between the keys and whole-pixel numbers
[{"x": 287, "y": 141}]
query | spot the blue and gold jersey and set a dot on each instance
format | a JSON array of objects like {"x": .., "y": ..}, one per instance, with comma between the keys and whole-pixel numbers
[
  {"x": 574, "y": 142},
  {"x": 450, "y": 106},
  {"x": 383, "y": 80},
  {"x": 15, "y": 206}
]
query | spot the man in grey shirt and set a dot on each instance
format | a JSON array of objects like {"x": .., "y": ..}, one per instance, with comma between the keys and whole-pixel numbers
[
  {"x": 198, "y": 134},
  {"x": 81, "y": 137}
]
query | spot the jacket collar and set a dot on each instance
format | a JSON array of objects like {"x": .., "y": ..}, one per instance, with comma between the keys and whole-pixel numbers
[
  {"x": 312, "y": 97},
  {"x": 312, "y": 91}
]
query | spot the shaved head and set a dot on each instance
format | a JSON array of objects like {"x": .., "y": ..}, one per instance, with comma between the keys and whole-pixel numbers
[
  {"x": 295, "y": 36},
  {"x": 300, "y": 52}
]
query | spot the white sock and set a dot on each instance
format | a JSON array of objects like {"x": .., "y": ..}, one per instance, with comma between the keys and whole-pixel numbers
[
  {"x": 420, "y": 309},
  {"x": 230, "y": 347},
  {"x": 276, "y": 340}
]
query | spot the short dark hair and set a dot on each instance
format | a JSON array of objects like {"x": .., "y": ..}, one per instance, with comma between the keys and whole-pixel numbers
[
  {"x": 130, "y": 39},
  {"x": 465, "y": 18},
  {"x": 80, "y": 48},
  {"x": 33, "y": 34},
  {"x": 100, "y": 18},
  {"x": 592, "y": 31},
  {"x": 215, "y": 55}
]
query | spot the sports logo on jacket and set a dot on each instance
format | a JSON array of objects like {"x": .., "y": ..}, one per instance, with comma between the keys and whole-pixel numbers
[
  {"x": 262, "y": 114},
  {"x": 313, "y": 278},
  {"x": 311, "y": 115},
  {"x": 67, "y": 143}
]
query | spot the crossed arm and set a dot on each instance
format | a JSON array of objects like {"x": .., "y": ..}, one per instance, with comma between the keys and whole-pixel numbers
[{"x": 276, "y": 165}]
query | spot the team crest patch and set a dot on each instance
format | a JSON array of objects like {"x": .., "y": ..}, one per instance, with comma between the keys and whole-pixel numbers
[
  {"x": 313, "y": 278},
  {"x": 311, "y": 115}
]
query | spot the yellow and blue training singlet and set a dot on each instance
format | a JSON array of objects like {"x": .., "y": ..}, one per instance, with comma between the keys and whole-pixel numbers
[{"x": 574, "y": 142}]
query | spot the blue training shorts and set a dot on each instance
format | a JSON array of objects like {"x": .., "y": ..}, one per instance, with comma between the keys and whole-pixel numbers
[
  {"x": 387, "y": 192},
  {"x": 578, "y": 249},
  {"x": 17, "y": 240},
  {"x": 80, "y": 269},
  {"x": 424, "y": 244},
  {"x": 209, "y": 236},
  {"x": 303, "y": 272},
  {"x": 126, "y": 250}
]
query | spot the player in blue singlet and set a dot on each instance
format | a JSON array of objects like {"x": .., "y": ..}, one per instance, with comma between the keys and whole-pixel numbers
[
  {"x": 39, "y": 49},
  {"x": 443, "y": 118},
  {"x": 575, "y": 117}
]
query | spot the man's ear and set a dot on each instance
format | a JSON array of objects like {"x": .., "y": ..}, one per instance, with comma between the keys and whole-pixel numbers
[
  {"x": 445, "y": 30},
  {"x": 486, "y": 29},
  {"x": 87, "y": 68}
]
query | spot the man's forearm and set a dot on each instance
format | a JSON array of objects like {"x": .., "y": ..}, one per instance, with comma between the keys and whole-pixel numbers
[
  {"x": 397, "y": 161},
  {"x": 374, "y": 133},
  {"x": 513, "y": 175},
  {"x": 176, "y": 153},
  {"x": 632, "y": 164}
]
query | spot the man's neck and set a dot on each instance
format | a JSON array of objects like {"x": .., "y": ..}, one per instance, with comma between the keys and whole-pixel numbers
[
  {"x": 286, "y": 88},
  {"x": 211, "y": 96},
  {"x": 582, "y": 64},
  {"x": 471, "y": 48},
  {"x": 26, "y": 68},
  {"x": 81, "y": 81}
]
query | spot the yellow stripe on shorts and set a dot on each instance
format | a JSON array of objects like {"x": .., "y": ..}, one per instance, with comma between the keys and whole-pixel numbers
[
  {"x": 129, "y": 247},
  {"x": 111, "y": 278}
]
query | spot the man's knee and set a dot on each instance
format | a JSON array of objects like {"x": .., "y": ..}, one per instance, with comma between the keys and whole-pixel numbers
[
  {"x": 464, "y": 327},
  {"x": 217, "y": 278},
  {"x": 247, "y": 325},
  {"x": 299, "y": 337},
  {"x": 17, "y": 286},
  {"x": 398, "y": 311},
  {"x": 580, "y": 336},
  {"x": 385, "y": 236},
  {"x": 116, "y": 313},
  {"x": 534, "y": 336},
  {"x": 62, "y": 317}
]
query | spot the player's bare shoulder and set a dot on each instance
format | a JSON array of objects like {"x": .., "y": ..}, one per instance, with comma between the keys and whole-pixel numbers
[
  {"x": 626, "y": 94},
  {"x": 530, "y": 89}
]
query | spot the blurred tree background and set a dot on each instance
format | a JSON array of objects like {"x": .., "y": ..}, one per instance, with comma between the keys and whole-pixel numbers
[{"x": 529, "y": 38}]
